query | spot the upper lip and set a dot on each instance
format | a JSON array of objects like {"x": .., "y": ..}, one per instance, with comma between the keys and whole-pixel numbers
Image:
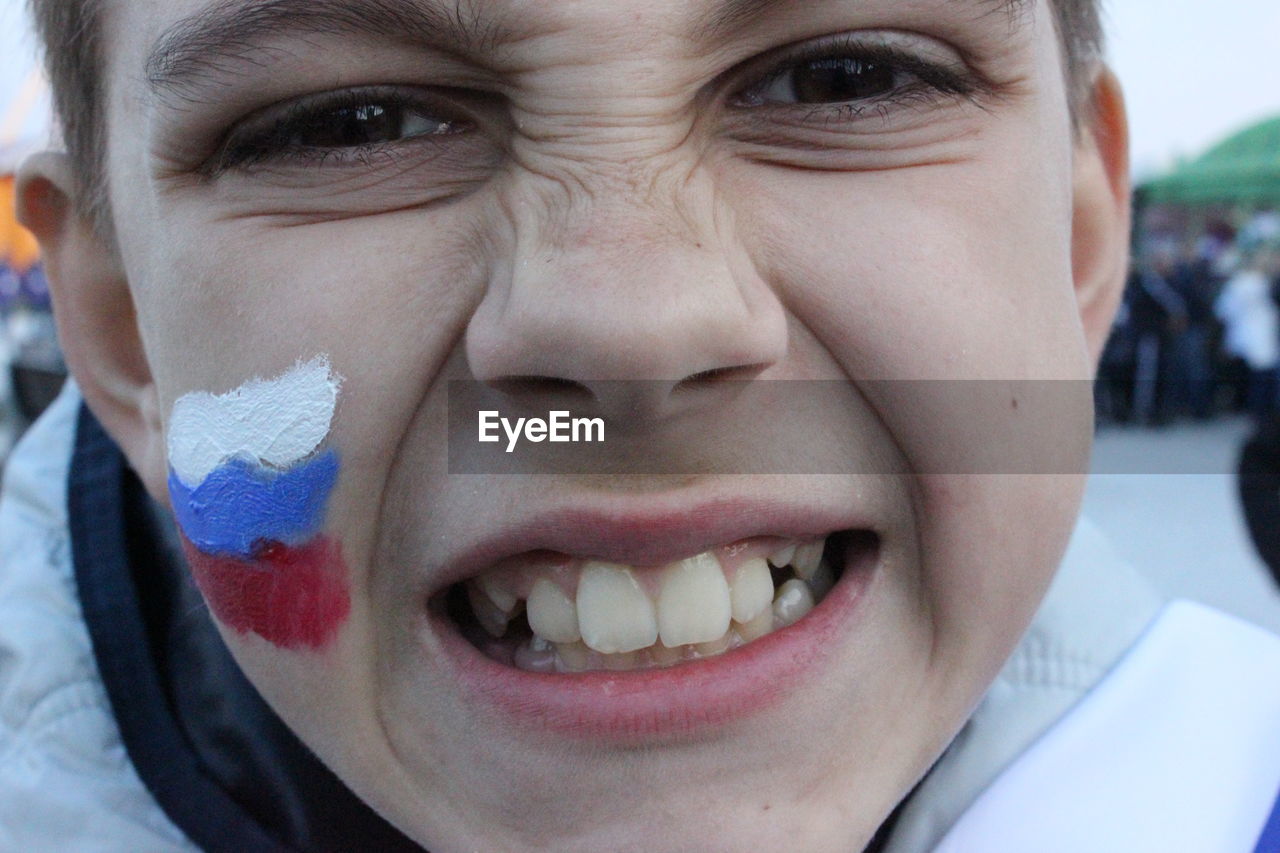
[{"x": 649, "y": 530}]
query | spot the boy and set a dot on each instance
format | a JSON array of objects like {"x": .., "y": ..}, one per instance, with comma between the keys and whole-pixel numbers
[{"x": 282, "y": 228}]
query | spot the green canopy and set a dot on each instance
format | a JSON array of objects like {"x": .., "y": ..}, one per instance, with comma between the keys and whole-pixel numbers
[{"x": 1245, "y": 168}]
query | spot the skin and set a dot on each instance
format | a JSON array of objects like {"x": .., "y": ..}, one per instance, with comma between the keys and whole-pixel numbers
[{"x": 614, "y": 215}]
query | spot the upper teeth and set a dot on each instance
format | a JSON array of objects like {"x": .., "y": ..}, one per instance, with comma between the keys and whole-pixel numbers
[
  {"x": 614, "y": 613},
  {"x": 752, "y": 590},
  {"x": 806, "y": 560},
  {"x": 552, "y": 614},
  {"x": 492, "y": 617},
  {"x": 500, "y": 595},
  {"x": 783, "y": 556},
  {"x": 693, "y": 606},
  {"x": 697, "y": 606}
]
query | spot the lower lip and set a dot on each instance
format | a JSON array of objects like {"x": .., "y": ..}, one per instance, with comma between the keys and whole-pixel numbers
[{"x": 686, "y": 700}]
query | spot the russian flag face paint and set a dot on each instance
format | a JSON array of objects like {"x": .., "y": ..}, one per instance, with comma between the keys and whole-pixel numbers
[{"x": 250, "y": 484}]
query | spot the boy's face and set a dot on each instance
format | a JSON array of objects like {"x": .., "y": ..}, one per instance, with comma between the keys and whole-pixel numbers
[{"x": 583, "y": 191}]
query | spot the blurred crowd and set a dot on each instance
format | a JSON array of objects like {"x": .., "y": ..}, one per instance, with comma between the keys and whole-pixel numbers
[
  {"x": 1198, "y": 333},
  {"x": 33, "y": 367}
]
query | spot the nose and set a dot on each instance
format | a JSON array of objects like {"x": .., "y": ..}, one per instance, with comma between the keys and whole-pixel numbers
[{"x": 629, "y": 306}]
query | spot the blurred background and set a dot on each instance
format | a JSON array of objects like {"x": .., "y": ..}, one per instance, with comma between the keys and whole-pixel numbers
[
  {"x": 1187, "y": 464},
  {"x": 1188, "y": 381}
]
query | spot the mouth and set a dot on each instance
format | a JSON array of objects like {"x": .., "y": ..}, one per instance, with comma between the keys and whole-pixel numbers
[
  {"x": 589, "y": 647},
  {"x": 552, "y": 613}
]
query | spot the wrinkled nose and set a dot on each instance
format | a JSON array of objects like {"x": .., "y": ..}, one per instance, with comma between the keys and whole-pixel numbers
[{"x": 630, "y": 310}]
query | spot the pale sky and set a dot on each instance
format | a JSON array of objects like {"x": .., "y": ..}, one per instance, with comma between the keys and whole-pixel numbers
[{"x": 1195, "y": 70}]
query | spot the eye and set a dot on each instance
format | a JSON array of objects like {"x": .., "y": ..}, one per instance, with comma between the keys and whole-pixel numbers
[
  {"x": 855, "y": 71},
  {"x": 366, "y": 124},
  {"x": 342, "y": 126},
  {"x": 830, "y": 80}
]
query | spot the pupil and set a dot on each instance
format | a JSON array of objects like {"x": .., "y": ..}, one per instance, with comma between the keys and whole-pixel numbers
[
  {"x": 841, "y": 79},
  {"x": 350, "y": 127}
]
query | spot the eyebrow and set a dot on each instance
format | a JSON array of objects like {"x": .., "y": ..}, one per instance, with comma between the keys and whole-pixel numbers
[
  {"x": 731, "y": 15},
  {"x": 234, "y": 30}
]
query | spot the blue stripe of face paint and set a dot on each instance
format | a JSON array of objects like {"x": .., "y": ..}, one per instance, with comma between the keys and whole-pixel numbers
[{"x": 241, "y": 504}]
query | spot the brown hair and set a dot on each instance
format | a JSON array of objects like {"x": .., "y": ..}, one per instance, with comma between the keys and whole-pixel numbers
[
  {"x": 71, "y": 33},
  {"x": 1079, "y": 24}
]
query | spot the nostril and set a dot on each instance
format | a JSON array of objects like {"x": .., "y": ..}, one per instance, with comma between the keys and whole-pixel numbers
[
  {"x": 740, "y": 373},
  {"x": 539, "y": 384},
  {"x": 542, "y": 388}
]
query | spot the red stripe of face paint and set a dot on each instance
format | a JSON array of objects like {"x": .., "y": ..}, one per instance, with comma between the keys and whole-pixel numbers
[{"x": 295, "y": 598}]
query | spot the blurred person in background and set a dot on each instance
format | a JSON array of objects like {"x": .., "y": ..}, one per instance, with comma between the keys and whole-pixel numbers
[
  {"x": 1113, "y": 390},
  {"x": 1252, "y": 325},
  {"x": 1191, "y": 374},
  {"x": 1158, "y": 315},
  {"x": 22, "y": 289}
]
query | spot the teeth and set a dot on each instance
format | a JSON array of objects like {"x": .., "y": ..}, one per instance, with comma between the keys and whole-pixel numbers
[
  {"x": 488, "y": 614},
  {"x": 664, "y": 656},
  {"x": 552, "y": 614},
  {"x": 717, "y": 646},
  {"x": 613, "y": 622},
  {"x": 626, "y": 660},
  {"x": 783, "y": 557},
  {"x": 536, "y": 656},
  {"x": 793, "y": 601},
  {"x": 807, "y": 559},
  {"x": 752, "y": 590},
  {"x": 757, "y": 627},
  {"x": 504, "y": 598},
  {"x": 614, "y": 613},
  {"x": 574, "y": 657},
  {"x": 693, "y": 606}
]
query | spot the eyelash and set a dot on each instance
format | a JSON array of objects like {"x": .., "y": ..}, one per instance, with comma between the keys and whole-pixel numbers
[{"x": 932, "y": 83}]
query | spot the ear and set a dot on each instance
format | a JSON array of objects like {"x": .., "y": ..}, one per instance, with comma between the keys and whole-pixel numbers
[
  {"x": 1100, "y": 223},
  {"x": 94, "y": 311}
]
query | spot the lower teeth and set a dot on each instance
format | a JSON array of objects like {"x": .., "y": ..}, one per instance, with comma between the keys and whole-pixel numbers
[{"x": 537, "y": 655}]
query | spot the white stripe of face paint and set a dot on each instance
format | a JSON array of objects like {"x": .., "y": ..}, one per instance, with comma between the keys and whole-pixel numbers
[{"x": 274, "y": 422}]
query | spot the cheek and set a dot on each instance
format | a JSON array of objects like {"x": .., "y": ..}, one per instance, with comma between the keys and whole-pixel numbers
[
  {"x": 250, "y": 486},
  {"x": 992, "y": 547},
  {"x": 257, "y": 551},
  {"x": 293, "y": 597}
]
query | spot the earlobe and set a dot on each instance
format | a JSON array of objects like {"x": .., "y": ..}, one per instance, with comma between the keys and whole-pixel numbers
[
  {"x": 94, "y": 310},
  {"x": 1101, "y": 213}
]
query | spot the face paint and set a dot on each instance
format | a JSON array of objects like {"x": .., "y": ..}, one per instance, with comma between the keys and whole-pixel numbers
[{"x": 250, "y": 486}]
